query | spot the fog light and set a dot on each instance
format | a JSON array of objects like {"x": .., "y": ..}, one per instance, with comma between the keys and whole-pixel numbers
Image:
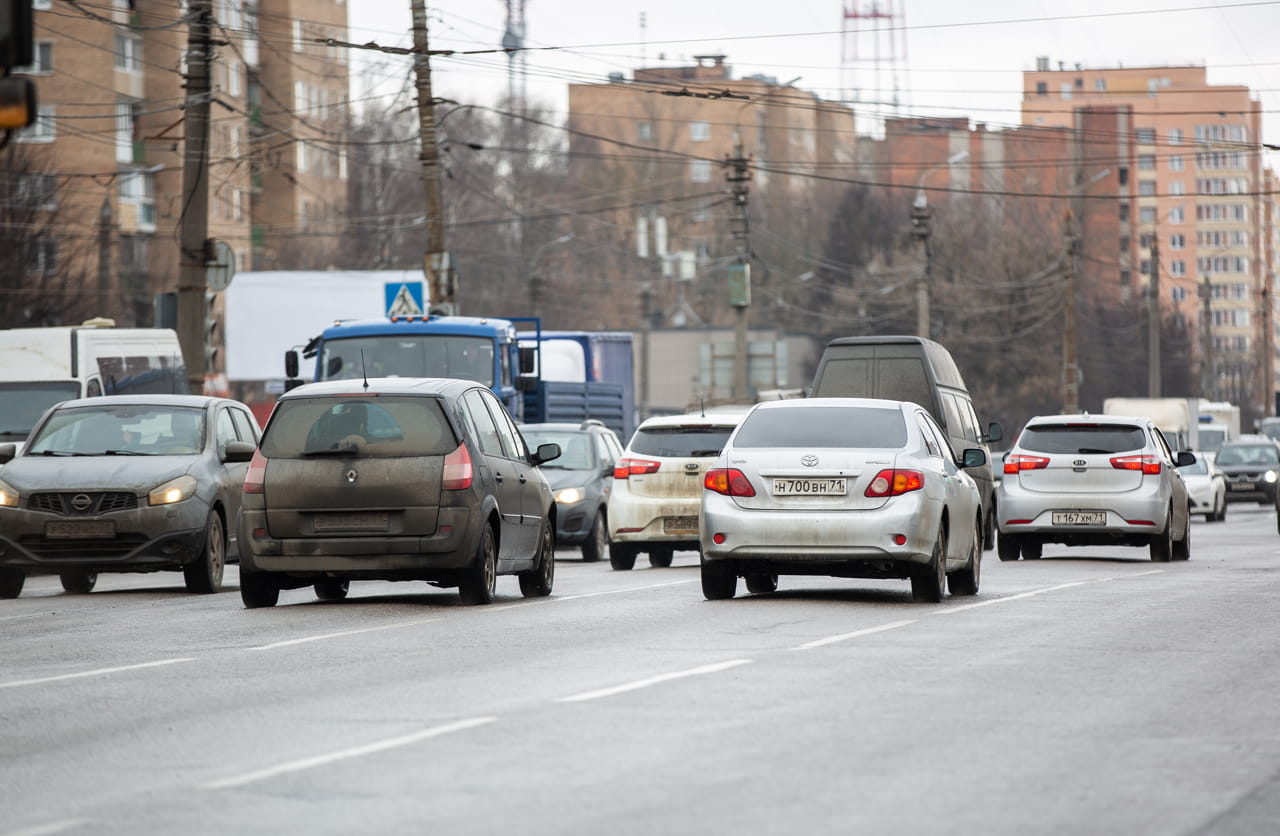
[
  {"x": 899, "y": 539},
  {"x": 718, "y": 539}
]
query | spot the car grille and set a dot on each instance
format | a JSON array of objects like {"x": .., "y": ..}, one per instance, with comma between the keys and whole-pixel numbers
[
  {"x": 81, "y": 549},
  {"x": 100, "y": 502}
]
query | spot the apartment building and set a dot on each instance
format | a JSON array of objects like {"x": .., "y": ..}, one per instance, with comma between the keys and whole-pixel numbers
[{"x": 1195, "y": 176}]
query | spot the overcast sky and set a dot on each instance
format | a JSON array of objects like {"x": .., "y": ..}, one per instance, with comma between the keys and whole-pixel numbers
[{"x": 961, "y": 59}]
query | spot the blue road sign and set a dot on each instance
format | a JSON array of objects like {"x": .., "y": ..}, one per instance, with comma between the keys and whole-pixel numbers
[{"x": 404, "y": 298}]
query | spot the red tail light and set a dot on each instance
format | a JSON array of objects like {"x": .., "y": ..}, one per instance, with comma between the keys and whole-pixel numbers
[
  {"x": 728, "y": 481},
  {"x": 893, "y": 482},
  {"x": 1147, "y": 463},
  {"x": 256, "y": 475},
  {"x": 1015, "y": 462},
  {"x": 634, "y": 467},
  {"x": 457, "y": 470}
]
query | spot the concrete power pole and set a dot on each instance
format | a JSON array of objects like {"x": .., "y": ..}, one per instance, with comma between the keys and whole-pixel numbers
[
  {"x": 104, "y": 256},
  {"x": 194, "y": 257},
  {"x": 1153, "y": 321},
  {"x": 436, "y": 265},
  {"x": 1207, "y": 376},
  {"x": 740, "y": 271},
  {"x": 921, "y": 216},
  {"x": 1070, "y": 362}
]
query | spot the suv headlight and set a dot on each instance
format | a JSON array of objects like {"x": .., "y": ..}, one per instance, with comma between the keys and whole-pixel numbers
[
  {"x": 175, "y": 490},
  {"x": 568, "y": 496},
  {"x": 1269, "y": 476},
  {"x": 8, "y": 496}
]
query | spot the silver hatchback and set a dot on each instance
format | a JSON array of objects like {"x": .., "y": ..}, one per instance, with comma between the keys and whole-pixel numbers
[{"x": 1093, "y": 480}]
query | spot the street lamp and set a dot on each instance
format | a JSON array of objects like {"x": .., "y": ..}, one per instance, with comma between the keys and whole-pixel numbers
[{"x": 921, "y": 220}]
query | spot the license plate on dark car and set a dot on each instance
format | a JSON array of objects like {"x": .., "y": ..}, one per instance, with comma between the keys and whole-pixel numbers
[
  {"x": 354, "y": 521},
  {"x": 1079, "y": 517},
  {"x": 80, "y": 528}
]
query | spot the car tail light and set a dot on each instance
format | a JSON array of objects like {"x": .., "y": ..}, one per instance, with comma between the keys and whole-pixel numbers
[
  {"x": 1148, "y": 463},
  {"x": 893, "y": 482},
  {"x": 256, "y": 476},
  {"x": 634, "y": 467},
  {"x": 457, "y": 470},
  {"x": 1015, "y": 462},
  {"x": 728, "y": 481}
]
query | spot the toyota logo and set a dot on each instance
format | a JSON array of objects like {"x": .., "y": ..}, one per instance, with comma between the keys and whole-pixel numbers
[
  {"x": 352, "y": 475},
  {"x": 809, "y": 460}
]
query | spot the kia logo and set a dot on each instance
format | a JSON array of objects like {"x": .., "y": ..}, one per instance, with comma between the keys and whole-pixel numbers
[
  {"x": 1079, "y": 463},
  {"x": 352, "y": 475},
  {"x": 81, "y": 502},
  {"x": 809, "y": 460},
  {"x": 691, "y": 466}
]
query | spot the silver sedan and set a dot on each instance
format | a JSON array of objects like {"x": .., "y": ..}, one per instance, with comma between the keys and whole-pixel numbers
[{"x": 841, "y": 487}]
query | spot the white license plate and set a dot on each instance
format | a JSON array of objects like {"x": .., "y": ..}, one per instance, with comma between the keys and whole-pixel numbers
[
  {"x": 809, "y": 487},
  {"x": 1241, "y": 486},
  {"x": 80, "y": 528},
  {"x": 1079, "y": 517},
  {"x": 359, "y": 521},
  {"x": 680, "y": 525}
]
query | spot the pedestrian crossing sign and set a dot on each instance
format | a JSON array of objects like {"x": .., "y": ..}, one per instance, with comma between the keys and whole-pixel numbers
[{"x": 404, "y": 299}]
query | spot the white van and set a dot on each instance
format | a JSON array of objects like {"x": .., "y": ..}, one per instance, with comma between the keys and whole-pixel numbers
[{"x": 40, "y": 367}]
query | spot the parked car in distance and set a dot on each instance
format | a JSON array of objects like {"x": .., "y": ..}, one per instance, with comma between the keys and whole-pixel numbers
[
  {"x": 125, "y": 483},
  {"x": 657, "y": 485},
  {"x": 1093, "y": 480},
  {"x": 395, "y": 479},
  {"x": 581, "y": 480},
  {"x": 1251, "y": 465},
  {"x": 1206, "y": 487},
  {"x": 841, "y": 487}
]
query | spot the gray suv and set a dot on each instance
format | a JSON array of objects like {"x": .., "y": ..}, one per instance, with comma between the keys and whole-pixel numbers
[
  {"x": 581, "y": 479},
  {"x": 1093, "y": 480}
]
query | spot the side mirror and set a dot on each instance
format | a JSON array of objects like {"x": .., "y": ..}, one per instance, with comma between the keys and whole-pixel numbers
[
  {"x": 7, "y": 452},
  {"x": 973, "y": 457},
  {"x": 1184, "y": 458},
  {"x": 994, "y": 431},
  {"x": 238, "y": 451},
  {"x": 291, "y": 363},
  {"x": 545, "y": 453}
]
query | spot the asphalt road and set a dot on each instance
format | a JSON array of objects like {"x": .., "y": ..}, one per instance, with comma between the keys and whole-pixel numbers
[{"x": 1090, "y": 692}]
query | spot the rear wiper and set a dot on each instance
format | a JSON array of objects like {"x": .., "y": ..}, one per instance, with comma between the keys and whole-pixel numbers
[
  {"x": 1086, "y": 450},
  {"x": 333, "y": 451}
]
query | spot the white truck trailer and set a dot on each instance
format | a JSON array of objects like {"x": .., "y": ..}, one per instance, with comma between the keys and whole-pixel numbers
[{"x": 1176, "y": 417}]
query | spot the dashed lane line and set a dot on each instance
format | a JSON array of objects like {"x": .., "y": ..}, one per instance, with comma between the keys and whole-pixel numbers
[
  {"x": 18, "y": 683},
  {"x": 654, "y": 680},
  {"x": 322, "y": 636},
  {"x": 892, "y": 625},
  {"x": 50, "y": 828}
]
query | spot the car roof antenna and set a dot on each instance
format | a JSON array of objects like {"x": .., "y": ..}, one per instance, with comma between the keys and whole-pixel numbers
[
  {"x": 363, "y": 371},
  {"x": 702, "y": 403}
]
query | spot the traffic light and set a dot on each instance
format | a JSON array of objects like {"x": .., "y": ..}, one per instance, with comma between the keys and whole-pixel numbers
[{"x": 17, "y": 95}]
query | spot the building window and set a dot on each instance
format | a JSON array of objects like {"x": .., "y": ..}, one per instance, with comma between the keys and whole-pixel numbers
[
  {"x": 1147, "y": 215},
  {"x": 234, "y": 85},
  {"x": 1125, "y": 278},
  {"x": 1178, "y": 241},
  {"x": 1178, "y": 268},
  {"x": 1123, "y": 175},
  {"x": 42, "y": 52},
  {"x": 128, "y": 53},
  {"x": 1178, "y": 294},
  {"x": 1177, "y": 188},
  {"x": 1146, "y": 162},
  {"x": 44, "y": 129},
  {"x": 1145, "y": 267},
  {"x": 1175, "y": 136},
  {"x": 1042, "y": 88},
  {"x": 302, "y": 155},
  {"x": 644, "y": 131},
  {"x": 1176, "y": 163},
  {"x": 1124, "y": 243},
  {"x": 126, "y": 130},
  {"x": 1146, "y": 136},
  {"x": 38, "y": 191},
  {"x": 1147, "y": 188},
  {"x": 1144, "y": 240},
  {"x": 699, "y": 131},
  {"x": 1177, "y": 215},
  {"x": 1100, "y": 84},
  {"x": 1124, "y": 211},
  {"x": 700, "y": 171},
  {"x": 42, "y": 255},
  {"x": 42, "y": 5},
  {"x": 138, "y": 188}
]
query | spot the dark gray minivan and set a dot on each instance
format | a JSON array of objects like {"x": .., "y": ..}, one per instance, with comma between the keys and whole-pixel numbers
[{"x": 909, "y": 368}]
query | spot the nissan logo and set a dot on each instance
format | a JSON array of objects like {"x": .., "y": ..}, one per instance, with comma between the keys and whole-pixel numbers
[
  {"x": 81, "y": 502},
  {"x": 809, "y": 460},
  {"x": 352, "y": 475}
]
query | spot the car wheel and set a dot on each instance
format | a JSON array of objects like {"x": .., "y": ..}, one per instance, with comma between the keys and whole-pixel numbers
[
  {"x": 11, "y": 581},
  {"x": 660, "y": 556},
  {"x": 204, "y": 574},
  {"x": 1222, "y": 512},
  {"x": 759, "y": 583},
  {"x": 537, "y": 582},
  {"x": 1182, "y": 548},
  {"x": 928, "y": 580},
  {"x": 1162, "y": 543},
  {"x": 965, "y": 581},
  {"x": 1008, "y": 547},
  {"x": 77, "y": 582},
  {"x": 719, "y": 582},
  {"x": 989, "y": 530},
  {"x": 258, "y": 589},
  {"x": 1032, "y": 549},
  {"x": 622, "y": 558},
  {"x": 480, "y": 580},
  {"x": 597, "y": 542},
  {"x": 20, "y": 582},
  {"x": 331, "y": 589}
]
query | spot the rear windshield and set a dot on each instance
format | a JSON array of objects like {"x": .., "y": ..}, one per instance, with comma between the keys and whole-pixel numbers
[
  {"x": 817, "y": 426},
  {"x": 1097, "y": 438},
  {"x": 1248, "y": 454},
  {"x": 377, "y": 427},
  {"x": 891, "y": 378},
  {"x": 680, "y": 441}
]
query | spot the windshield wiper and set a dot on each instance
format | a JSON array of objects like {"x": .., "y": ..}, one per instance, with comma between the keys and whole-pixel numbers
[
  {"x": 59, "y": 453},
  {"x": 118, "y": 453}
]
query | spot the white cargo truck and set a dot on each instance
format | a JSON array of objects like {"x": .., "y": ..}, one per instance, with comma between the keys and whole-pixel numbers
[{"x": 1176, "y": 417}]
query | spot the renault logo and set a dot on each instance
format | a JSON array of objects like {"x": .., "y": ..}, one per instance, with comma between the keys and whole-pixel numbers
[
  {"x": 809, "y": 460},
  {"x": 352, "y": 475},
  {"x": 81, "y": 502}
]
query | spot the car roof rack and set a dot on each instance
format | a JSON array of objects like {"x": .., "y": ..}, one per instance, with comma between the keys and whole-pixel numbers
[{"x": 591, "y": 422}]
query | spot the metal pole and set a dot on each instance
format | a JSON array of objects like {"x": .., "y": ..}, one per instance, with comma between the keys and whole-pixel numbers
[
  {"x": 436, "y": 265},
  {"x": 194, "y": 221}
]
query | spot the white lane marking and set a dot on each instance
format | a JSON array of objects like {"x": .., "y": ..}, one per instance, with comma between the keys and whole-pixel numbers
[
  {"x": 344, "y": 754},
  {"x": 620, "y": 591},
  {"x": 892, "y": 625},
  {"x": 323, "y": 636},
  {"x": 1148, "y": 572},
  {"x": 1019, "y": 596},
  {"x": 654, "y": 680},
  {"x": 98, "y": 672},
  {"x": 47, "y": 829}
]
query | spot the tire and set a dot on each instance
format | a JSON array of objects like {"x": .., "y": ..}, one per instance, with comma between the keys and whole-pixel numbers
[
  {"x": 621, "y": 557},
  {"x": 661, "y": 556},
  {"x": 1032, "y": 549},
  {"x": 331, "y": 589},
  {"x": 719, "y": 582},
  {"x": 11, "y": 581},
  {"x": 759, "y": 583},
  {"x": 929, "y": 580},
  {"x": 1162, "y": 543},
  {"x": 479, "y": 581},
  {"x": 597, "y": 543},
  {"x": 20, "y": 583},
  {"x": 965, "y": 581},
  {"x": 1182, "y": 548},
  {"x": 537, "y": 582},
  {"x": 1008, "y": 547},
  {"x": 204, "y": 574},
  {"x": 257, "y": 589},
  {"x": 78, "y": 582},
  {"x": 989, "y": 530},
  {"x": 1222, "y": 512}
]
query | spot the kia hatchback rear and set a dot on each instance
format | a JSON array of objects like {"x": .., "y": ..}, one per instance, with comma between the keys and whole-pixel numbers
[{"x": 1093, "y": 480}]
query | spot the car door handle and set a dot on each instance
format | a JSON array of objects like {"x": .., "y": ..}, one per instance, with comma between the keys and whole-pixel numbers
[{"x": 497, "y": 477}]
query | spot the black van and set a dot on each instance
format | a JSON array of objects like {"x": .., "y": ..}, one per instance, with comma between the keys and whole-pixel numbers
[{"x": 907, "y": 368}]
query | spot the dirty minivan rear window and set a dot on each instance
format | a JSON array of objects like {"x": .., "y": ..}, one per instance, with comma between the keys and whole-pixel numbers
[
  {"x": 681, "y": 442},
  {"x": 378, "y": 427}
]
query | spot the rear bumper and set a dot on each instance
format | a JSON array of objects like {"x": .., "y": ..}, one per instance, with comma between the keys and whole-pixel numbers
[{"x": 638, "y": 519}]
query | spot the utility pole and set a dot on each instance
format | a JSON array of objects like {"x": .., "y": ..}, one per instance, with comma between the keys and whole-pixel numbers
[
  {"x": 436, "y": 265},
  {"x": 1070, "y": 362},
  {"x": 104, "y": 255},
  {"x": 921, "y": 217},
  {"x": 740, "y": 271},
  {"x": 1153, "y": 320},
  {"x": 1206, "y": 364},
  {"x": 195, "y": 249}
]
